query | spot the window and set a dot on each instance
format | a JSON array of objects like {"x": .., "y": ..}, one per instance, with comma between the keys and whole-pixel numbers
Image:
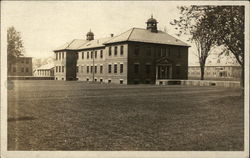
[
  {"x": 158, "y": 52},
  {"x": 56, "y": 69},
  {"x": 27, "y": 61},
  {"x": 91, "y": 56},
  {"x": 82, "y": 55},
  {"x": 101, "y": 54},
  {"x": 109, "y": 81},
  {"x": 95, "y": 69},
  {"x": 95, "y": 54},
  {"x": 22, "y": 69},
  {"x": 109, "y": 68},
  {"x": 169, "y": 52},
  {"x": 148, "y": 68},
  {"x": 101, "y": 80},
  {"x": 91, "y": 69},
  {"x": 59, "y": 55},
  {"x": 77, "y": 56},
  {"x": 87, "y": 69},
  {"x": 14, "y": 69},
  {"x": 115, "y": 51},
  {"x": 56, "y": 55},
  {"x": 163, "y": 52},
  {"x": 59, "y": 68},
  {"x": 87, "y": 55},
  {"x": 62, "y": 68},
  {"x": 148, "y": 52},
  {"x": 101, "y": 69},
  {"x": 115, "y": 68},
  {"x": 121, "y": 50},
  {"x": 178, "y": 70},
  {"x": 137, "y": 50},
  {"x": 136, "y": 68},
  {"x": 179, "y": 52},
  {"x": 62, "y": 55},
  {"x": 27, "y": 69},
  {"x": 110, "y": 51},
  {"x": 121, "y": 68},
  {"x": 121, "y": 81},
  {"x": 22, "y": 60}
]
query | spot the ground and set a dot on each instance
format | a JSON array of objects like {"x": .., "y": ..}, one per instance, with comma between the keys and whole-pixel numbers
[{"x": 74, "y": 115}]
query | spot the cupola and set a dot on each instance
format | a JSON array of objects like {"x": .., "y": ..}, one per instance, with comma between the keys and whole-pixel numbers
[
  {"x": 152, "y": 24},
  {"x": 90, "y": 36}
]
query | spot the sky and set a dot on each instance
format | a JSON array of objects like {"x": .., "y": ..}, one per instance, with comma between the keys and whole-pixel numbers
[{"x": 47, "y": 25}]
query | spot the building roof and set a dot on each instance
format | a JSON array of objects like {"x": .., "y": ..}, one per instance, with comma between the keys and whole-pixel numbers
[
  {"x": 95, "y": 43},
  {"x": 46, "y": 67},
  {"x": 143, "y": 35},
  {"x": 73, "y": 45}
]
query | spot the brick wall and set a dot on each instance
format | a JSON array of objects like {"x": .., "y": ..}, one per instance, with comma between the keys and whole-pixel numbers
[
  {"x": 60, "y": 61},
  {"x": 146, "y": 54},
  {"x": 22, "y": 67}
]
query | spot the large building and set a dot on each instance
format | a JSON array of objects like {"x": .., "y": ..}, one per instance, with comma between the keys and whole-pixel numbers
[
  {"x": 135, "y": 56},
  {"x": 21, "y": 67}
]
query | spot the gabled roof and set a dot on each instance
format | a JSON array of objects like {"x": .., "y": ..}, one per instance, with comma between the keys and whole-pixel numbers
[
  {"x": 73, "y": 45},
  {"x": 143, "y": 35},
  {"x": 95, "y": 43},
  {"x": 45, "y": 67}
]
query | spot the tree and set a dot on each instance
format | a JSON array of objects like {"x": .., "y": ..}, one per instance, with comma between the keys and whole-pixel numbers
[
  {"x": 193, "y": 22},
  {"x": 15, "y": 47},
  {"x": 228, "y": 30}
]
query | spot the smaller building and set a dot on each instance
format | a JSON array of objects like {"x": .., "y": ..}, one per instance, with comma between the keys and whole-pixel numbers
[
  {"x": 44, "y": 71},
  {"x": 21, "y": 67},
  {"x": 216, "y": 72}
]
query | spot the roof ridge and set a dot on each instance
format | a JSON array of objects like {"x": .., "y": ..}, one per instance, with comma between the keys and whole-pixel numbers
[
  {"x": 130, "y": 33},
  {"x": 119, "y": 35},
  {"x": 70, "y": 43}
]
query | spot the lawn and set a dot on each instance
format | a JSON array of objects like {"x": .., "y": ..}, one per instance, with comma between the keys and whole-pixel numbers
[{"x": 73, "y": 115}]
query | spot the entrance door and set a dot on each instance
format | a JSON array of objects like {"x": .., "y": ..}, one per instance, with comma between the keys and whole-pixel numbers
[{"x": 164, "y": 72}]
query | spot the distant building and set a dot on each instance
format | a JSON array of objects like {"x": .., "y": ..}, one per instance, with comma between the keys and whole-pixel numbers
[
  {"x": 44, "y": 71},
  {"x": 221, "y": 70},
  {"x": 135, "y": 56},
  {"x": 22, "y": 67}
]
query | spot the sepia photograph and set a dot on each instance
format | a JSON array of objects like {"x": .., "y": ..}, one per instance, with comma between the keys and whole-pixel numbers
[{"x": 125, "y": 79}]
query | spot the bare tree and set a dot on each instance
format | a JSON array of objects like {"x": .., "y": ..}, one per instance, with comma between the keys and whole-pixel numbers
[{"x": 193, "y": 23}]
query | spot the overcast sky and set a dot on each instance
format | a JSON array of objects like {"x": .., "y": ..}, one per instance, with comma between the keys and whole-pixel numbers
[{"x": 45, "y": 26}]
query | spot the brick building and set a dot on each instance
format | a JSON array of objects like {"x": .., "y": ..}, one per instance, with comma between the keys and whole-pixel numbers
[
  {"x": 21, "y": 67},
  {"x": 135, "y": 56}
]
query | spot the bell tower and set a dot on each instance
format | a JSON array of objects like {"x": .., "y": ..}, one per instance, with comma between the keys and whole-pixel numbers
[{"x": 152, "y": 24}]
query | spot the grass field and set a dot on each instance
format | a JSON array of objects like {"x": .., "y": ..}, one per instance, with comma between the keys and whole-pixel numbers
[{"x": 59, "y": 115}]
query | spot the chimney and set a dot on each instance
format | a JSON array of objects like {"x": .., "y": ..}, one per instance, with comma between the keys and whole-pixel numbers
[{"x": 111, "y": 35}]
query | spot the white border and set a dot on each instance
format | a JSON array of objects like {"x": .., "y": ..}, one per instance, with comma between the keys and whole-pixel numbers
[{"x": 123, "y": 154}]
